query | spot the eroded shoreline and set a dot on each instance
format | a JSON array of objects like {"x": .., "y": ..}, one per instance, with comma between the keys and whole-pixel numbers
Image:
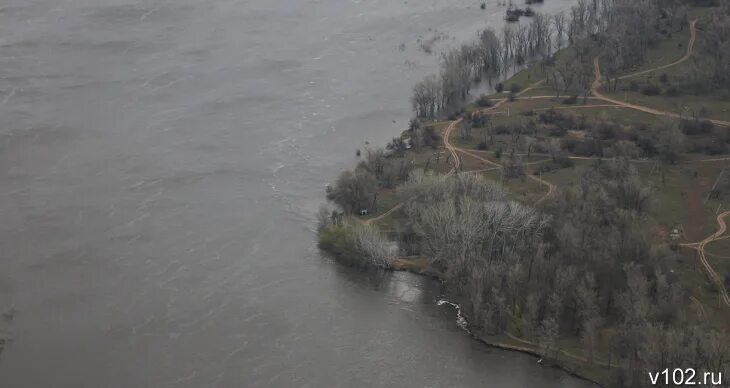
[{"x": 421, "y": 266}]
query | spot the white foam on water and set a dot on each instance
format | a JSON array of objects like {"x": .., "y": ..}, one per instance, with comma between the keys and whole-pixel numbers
[{"x": 460, "y": 320}]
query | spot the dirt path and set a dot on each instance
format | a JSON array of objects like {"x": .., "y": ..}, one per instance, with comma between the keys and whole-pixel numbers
[
  {"x": 454, "y": 151},
  {"x": 551, "y": 188},
  {"x": 711, "y": 271},
  {"x": 596, "y": 95},
  {"x": 598, "y": 82},
  {"x": 386, "y": 214},
  {"x": 451, "y": 148},
  {"x": 722, "y": 159},
  {"x": 641, "y": 108},
  {"x": 710, "y": 160},
  {"x": 687, "y": 55},
  {"x": 580, "y": 107},
  {"x": 700, "y": 247}
]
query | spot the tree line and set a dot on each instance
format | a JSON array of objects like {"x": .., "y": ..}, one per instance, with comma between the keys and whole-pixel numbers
[
  {"x": 585, "y": 267},
  {"x": 487, "y": 59}
]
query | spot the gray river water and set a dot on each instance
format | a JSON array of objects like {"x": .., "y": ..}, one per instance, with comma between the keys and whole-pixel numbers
[{"x": 161, "y": 162}]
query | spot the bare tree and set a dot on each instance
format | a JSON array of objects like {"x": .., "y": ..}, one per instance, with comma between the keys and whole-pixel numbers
[
  {"x": 375, "y": 247},
  {"x": 559, "y": 23},
  {"x": 426, "y": 97}
]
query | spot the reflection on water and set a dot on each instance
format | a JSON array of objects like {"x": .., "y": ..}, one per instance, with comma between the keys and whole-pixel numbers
[{"x": 399, "y": 287}]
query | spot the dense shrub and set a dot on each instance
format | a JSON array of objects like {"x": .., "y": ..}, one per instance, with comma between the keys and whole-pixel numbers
[
  {"x": 356, "y": 244},
  {"x": 513, "y": 167},
  {"x": 413, "y": 125},
  {"x": 558, "y": 130},
  {"x": 708, "y": 145},
  {"x": 696, "y": 127},
  {"x": 561, "y": 161},
  {"x": 431, "y": 137},
  {"x": 397, "y": 146},
  {"x": 651, "y": 90},
  {"x": 502, "y": 130},
  {"x": 563, "y": 120},
  {"x": 581, "y": 147},
  {"x": 484, "y": 101},
  {"x": 647, "y": 144},
  {"x": 354, "y": 190},
  {"x": 339, "y": 241},
  {"x": 605, "y": 130},
  {"x": 672, "y": 91},
  {"x": 478, "y": 120},
  {"x": 722, "y": 134},
  {"x": 425, "y": 137},
  {"x": 572, "y": 100},
  {"x": 715, "y": 147}
]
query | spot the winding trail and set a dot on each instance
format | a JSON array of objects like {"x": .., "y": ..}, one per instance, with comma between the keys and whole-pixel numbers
[
  {"x": 451, "y": 148},
  {"x": 687, "y": 55},
  {"x": 716, "y": 278},
  {"x": 595, "y": 95},
  {"x": 551, "y": 188},
  {"x": 454, "y": 151},
  {"x": 384, "y": 215},
  {"x": 702, "y": 255},
  {"x": 597, "y": 83}
]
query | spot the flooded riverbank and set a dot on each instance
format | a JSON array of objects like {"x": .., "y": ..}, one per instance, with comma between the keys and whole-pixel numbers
[{"x": 161, "y": 163}]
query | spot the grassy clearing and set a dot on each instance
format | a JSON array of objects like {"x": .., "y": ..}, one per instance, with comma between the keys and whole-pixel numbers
[
  {"x": 438, "y": 160},
  {"x": 680, "y": 193},
  {"x": 522, "y": 79},
  {"x": 524, "y": 189},
  {"x": 523, "y": 110},
  {"x": 693, "y": 278},
  {"x": 621, "y": 115},
  {"x": 670, "y": 187},
  {"x": 567, "y": 177},
  {"x": 667, "y": 51},
  {"x": 385, "y": 201},
  {"x": 703, "y": 106},
  {"x": 709, "y": 105},
  {"x": 394, "y": 223},
  {"x": 470, "y": 163}
]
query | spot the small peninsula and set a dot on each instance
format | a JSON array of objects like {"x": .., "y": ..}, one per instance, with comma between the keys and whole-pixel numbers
[{"x": 578, "y": 212}]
